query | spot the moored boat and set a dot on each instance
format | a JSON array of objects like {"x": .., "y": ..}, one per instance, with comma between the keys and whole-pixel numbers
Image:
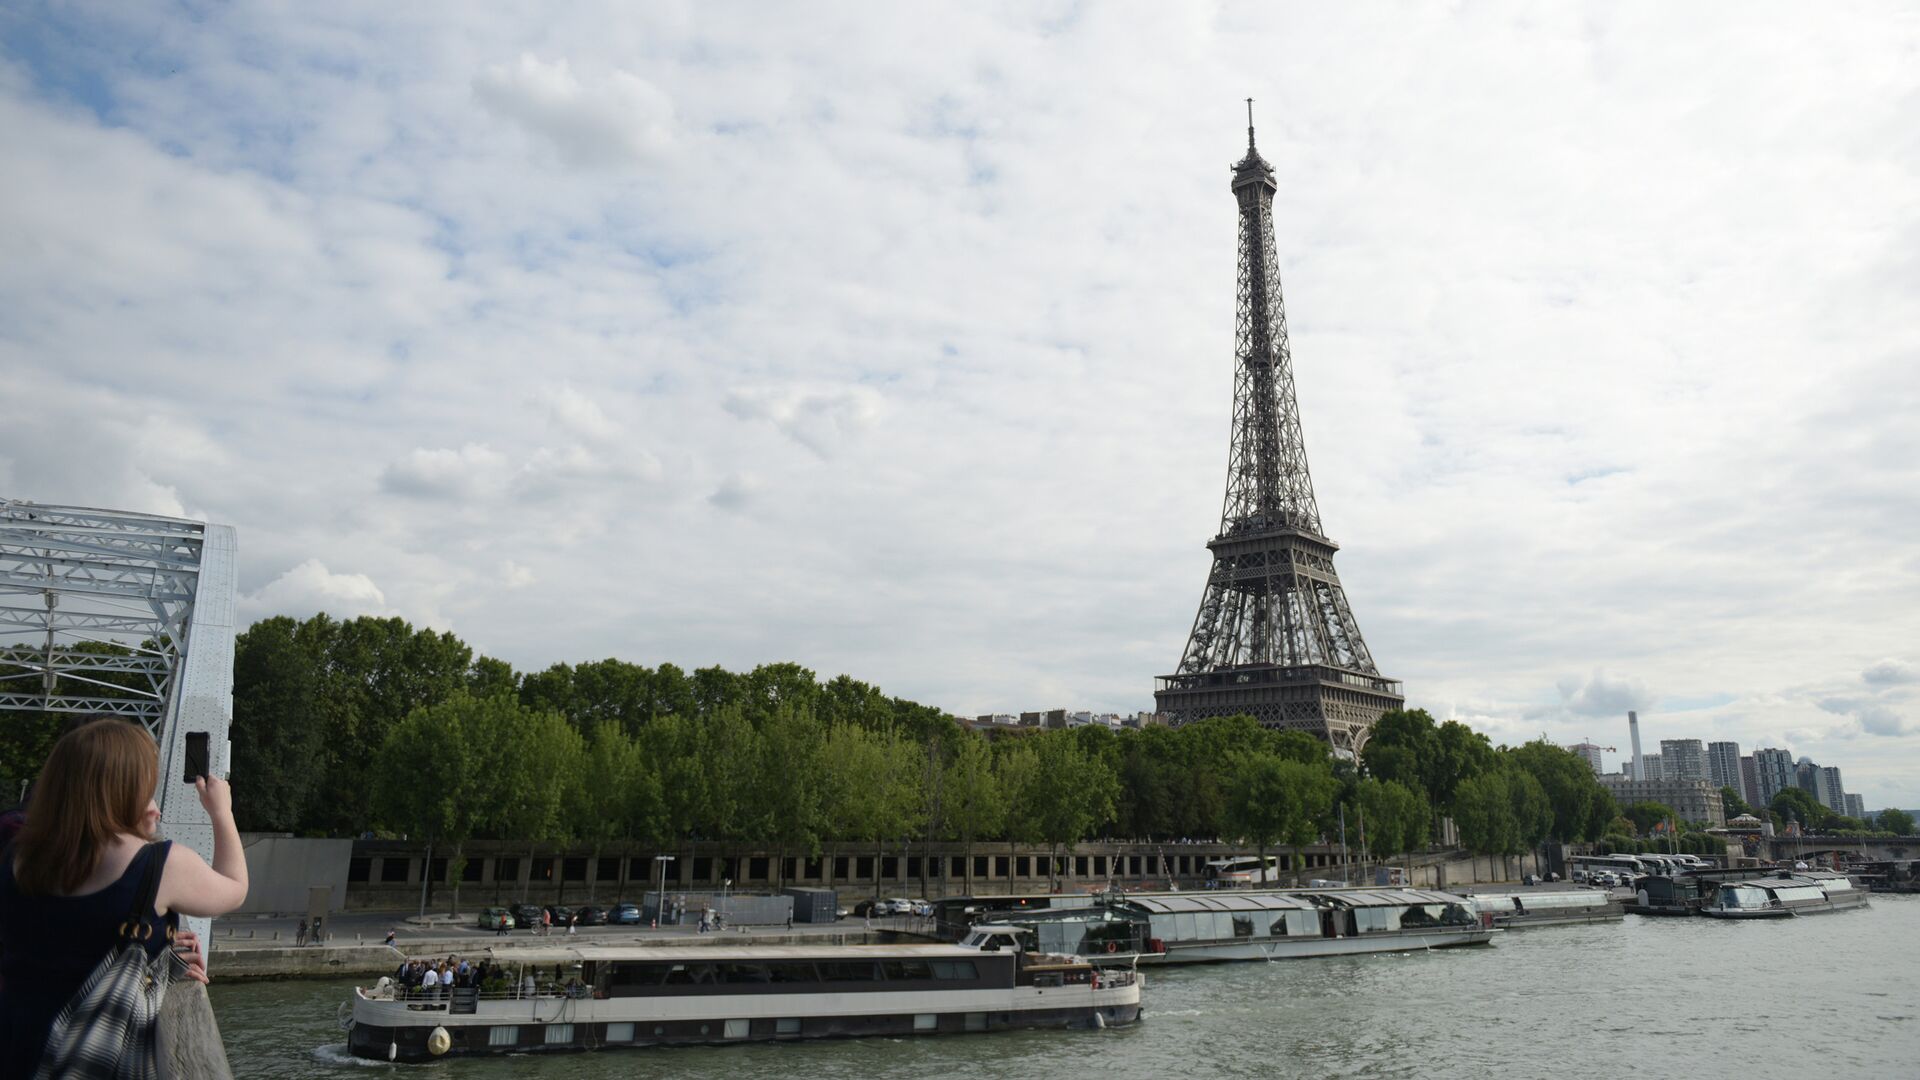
[
  {"x": 597, "y": 997},
  {"x": 1243, "y": 925},
  {"x": 1785, "y": 895},
  {"x": 1521, "y": 910}
]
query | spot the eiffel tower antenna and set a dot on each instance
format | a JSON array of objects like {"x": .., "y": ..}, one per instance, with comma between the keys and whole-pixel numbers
[{"x": 1275, "y": 637}]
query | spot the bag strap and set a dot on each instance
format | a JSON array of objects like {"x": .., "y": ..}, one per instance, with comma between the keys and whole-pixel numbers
[{"x": 135, "y": 929}]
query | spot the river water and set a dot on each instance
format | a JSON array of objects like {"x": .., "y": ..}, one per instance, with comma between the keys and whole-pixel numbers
[{"x": 1830, "y": 996}]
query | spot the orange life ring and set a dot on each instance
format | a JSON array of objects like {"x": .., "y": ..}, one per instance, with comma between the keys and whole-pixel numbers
[{"x": 1113, "y": 946}]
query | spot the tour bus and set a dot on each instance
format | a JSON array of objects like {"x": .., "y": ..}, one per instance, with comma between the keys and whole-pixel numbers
[
  {"x": 1583, "y": 867},
  {"x": 1241, "y": 872}
]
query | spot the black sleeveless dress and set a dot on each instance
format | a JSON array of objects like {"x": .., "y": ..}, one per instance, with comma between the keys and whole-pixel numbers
[{"x": 48, "y": 946}]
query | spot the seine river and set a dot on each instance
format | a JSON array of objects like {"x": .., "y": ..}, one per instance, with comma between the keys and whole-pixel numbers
[{"x": 1829, "y": 996}]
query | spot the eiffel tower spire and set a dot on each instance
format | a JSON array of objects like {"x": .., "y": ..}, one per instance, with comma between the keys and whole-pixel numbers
[{"x": 1275, "y": 637}]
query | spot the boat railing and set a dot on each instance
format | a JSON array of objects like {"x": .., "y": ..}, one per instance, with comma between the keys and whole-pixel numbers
[{"x": 429, "y": 1000}]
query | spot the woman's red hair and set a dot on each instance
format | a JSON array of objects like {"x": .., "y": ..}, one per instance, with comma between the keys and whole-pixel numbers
[{"x": 95, "y": 785}]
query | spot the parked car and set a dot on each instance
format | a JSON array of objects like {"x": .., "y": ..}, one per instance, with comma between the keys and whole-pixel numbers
[
  {"x": 559, "y": 912},
  {"x": 588, "y": 915},
  {"x": 625, "y": 915},
  {"x": 899, "y": 905},
  {"x": 490, "y": 918},
  {"x": 527, "y": 915},
  {"x": 866, "y": 908}
]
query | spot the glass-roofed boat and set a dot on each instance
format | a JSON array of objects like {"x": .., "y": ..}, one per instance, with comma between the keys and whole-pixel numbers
[{"x": 1243, "y": 925}]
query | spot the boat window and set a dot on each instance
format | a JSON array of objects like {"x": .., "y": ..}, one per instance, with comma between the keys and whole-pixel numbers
[
  {"x": 1456, "y": 915},
  {"x": 1743, "y": 897},
  {"x": 1184, "y": 928},
  {"x": 559, "y": 1033},
  {"x": 955, "y": 969},
  {"x": 503, "y": 1035},
  {"x": 907, "y": 969},
  {"x": 1376, "y": 919},
  {"x": 1279, "y": 927},
  {"x": 692, "y": 975},
  {"x": 787, "y": 1025},
  {"x": 743, "y": 973},
  {"x": 621, "y": 1032},
  {"x": 1243, "y": 926},
  {"x": 791, "y": 972},
  {"x": 627, "y": 973},
  {"x": 850, "y": 971}
]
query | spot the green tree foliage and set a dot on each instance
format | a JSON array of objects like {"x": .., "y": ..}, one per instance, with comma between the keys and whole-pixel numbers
[
  {"x": 1897, "y": 822},
  {"x": 1645, "y": 815},
  {"x": 1070, "y": 791},
  {"x": 1502, "y": 811},
  {"x": 278, "y": 724},
  {"x": 1276, "y": 800},
  {"x": 974, "y": 807},
  {"x": 1431, "y": 759},
  {"x": 1395, "y": 816},
  {"x": 1580, "y": 806},
  {"x": 1732, "y": 803},
  {"x": 1794, "y": 804}
]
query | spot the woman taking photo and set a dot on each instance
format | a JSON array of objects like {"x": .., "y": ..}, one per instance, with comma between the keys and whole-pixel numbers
[{"x": 77, "y": 866}]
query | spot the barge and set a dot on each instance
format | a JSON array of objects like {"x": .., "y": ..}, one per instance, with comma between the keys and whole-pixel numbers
[
  {"x": 1521, "y": 910},
  {"x": 1184, "y": 928},
  {"x": 599, "y": 997},
  {"x": 1785, "y": 895}
]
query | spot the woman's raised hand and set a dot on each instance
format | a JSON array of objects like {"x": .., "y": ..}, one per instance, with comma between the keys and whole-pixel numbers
[{"x": 216, "y": 796}]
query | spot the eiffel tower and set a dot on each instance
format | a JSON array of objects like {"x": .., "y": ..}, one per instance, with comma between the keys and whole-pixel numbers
[{"x": 1275, "y": 638}]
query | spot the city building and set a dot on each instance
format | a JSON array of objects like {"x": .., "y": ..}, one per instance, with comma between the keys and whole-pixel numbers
[
  {"x": 1774, "y": 771},
  {"x": 1590, "y": 753},
  {"x": 1723, "y": 765},
  {"x": 1636, "y": 768},
  {"x": 1693, "y": 800},
  {"x": 1857, "y": 807},
  {"x": 1652, "y": 767},
  {"x": 1834, "y": 792},
  {"x": 1683, "y": 759},
  {"x": 1750, "y": 781}
]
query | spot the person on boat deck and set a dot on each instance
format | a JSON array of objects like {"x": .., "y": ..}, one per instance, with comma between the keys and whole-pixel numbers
[{"x": 76, "y": 868}]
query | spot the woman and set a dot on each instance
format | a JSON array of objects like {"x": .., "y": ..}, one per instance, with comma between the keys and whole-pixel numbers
[{"x": 76, "y": 867}]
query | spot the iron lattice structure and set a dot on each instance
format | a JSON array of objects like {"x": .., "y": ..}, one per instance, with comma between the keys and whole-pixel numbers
[
  {"x": 1275, "y": 637},
  {"x": 111, "y": 612}
]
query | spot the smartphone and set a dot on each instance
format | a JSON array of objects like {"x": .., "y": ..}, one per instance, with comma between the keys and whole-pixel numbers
[{"x": 199, "y": 763}]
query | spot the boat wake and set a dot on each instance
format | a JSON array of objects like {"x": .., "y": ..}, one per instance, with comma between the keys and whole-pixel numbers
[{"x": 337, "y": 1054}]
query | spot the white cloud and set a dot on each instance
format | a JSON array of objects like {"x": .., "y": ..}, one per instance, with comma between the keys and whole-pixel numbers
[
  {"x": 617, "y": 119},
  {"x": 819, "y": 420},
  {"x": 1592, "y": 338},
  {"x": 1890, "y": 672},
  {"x": 1604, "y": 695},
  {"x": 445, "y": 474},
  {"x": 310, "y": 587}
]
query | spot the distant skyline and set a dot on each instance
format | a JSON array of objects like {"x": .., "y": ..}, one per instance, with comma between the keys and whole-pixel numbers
[{"x": 898, "y": 341}]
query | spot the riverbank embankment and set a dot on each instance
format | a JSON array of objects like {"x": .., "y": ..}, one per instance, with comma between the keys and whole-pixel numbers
[{"x": 238, "y": 957}]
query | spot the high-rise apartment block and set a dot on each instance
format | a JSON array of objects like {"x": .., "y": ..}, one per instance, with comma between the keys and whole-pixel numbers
[
  {"x": 1683, "y": 759},
  {"x": 1749, "y": 786},
  {"x": 1590, "y": 753},
  {"x": 1653, "y": 767},
  {"x": 1830, "y": 786},
  {"x": 1723, "y": 764},
  {"x": 1857, "y": 806},
  {"x": 1775, "y": 772}
]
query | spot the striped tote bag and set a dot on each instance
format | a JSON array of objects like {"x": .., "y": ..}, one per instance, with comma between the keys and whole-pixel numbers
[{"x": 107, "y": 1031}]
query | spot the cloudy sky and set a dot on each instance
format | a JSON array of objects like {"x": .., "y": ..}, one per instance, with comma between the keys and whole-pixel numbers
[{"x": 896, "y": 339}]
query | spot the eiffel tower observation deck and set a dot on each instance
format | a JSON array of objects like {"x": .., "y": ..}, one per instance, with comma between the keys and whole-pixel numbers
[{"x": 1275, "y": 638}]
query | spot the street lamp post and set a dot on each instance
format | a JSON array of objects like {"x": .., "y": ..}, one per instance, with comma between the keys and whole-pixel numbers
[
  {"x": 725, "y": 884},
  {"x": 660, "y": 905}
]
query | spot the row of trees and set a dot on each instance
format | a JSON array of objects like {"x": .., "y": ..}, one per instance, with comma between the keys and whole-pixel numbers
[{"x": 346, "y": 727}]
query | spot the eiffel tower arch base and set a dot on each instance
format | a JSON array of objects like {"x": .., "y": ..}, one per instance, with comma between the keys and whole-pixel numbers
[{"x": 1332, "y": 704}]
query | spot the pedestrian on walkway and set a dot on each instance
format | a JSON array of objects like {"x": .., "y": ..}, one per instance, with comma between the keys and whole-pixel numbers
[
  {"x": 573, "y": 921},
  {"x": 300, "y": 934},
  {"x": 390, "y": 933},
  {"x": 317, "y": 937},
  {"x": 500, "y": 927},
  {"x": 546, "y": 921}
]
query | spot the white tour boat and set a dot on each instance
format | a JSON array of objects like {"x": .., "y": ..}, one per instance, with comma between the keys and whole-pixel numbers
[
  {"x": 593, "y": 997},
  {"x": 1784, "y": 895},
  {"x": 1557, "y": 907}
]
